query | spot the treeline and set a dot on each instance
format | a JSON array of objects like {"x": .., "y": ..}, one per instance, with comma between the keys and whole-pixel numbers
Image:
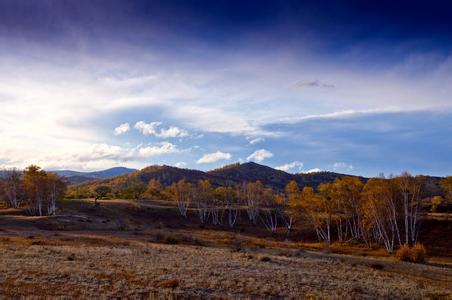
[
  {"x": 386, "y": 211},
  {"x": 34, "y": 189}
]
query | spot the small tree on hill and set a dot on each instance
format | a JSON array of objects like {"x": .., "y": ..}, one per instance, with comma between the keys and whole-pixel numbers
[
  {"x": 101, "y": 192},
  {"x": 446, "y": 187}
]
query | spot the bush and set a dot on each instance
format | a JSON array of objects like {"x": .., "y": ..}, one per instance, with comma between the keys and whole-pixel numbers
[
  {"x": 415, "y": 254},
  {"x": 418, "y": 253},
  {"x": 170, "y": 283},
  {"x": 377, "y": 266},
  {"x": 404, "y": 253}
]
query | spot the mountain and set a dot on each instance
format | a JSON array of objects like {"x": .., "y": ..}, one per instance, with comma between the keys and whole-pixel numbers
[
  {"x": 251, "y": 171},
  {"x": 228, "y": 175},
  {"x": 76, "y": 177}
]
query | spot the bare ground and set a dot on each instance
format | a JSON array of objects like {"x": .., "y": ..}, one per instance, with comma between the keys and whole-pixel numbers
[{"x": 166, "y": 262}]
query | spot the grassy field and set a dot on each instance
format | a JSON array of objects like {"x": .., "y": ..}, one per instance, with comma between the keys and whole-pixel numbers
[{"x": 146, "y": 250}]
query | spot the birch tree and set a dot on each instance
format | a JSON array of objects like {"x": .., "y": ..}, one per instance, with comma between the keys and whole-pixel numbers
[
  {"x": 411, "y": 192},
  {"x": 381, "y": 212},
  {"x": 202, "y": 196},
  {"x": 228, "y": 197},
  {"x": 251, "y": 194},
  {"x": 346, "y": 193},
  {"x": 182, "y": 194},
  {"x": 13, "y": 187},
  {"x": 318, "y": 209}
]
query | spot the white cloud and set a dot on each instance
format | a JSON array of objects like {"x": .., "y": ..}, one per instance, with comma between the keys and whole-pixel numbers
[
  {"x": 121, "y": 129},
  {"x": 181, "y": 164},
  {"x": 172, "y": 132},
  {"x": 213, "y": 157},
  {"x": 147, "y": 128},
  {"x": 289, "y": 166},
  {"x": 105, "y": 151},
  {"x": 315, "y": 170},
  {"x": 342, "y": 166},
  {"x": 259, "y": 155},
  {"x": 163, "y": 148},
  {"x": 152, "y": 129}
]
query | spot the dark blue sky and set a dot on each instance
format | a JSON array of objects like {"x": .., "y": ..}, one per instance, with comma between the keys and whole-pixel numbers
[{"x": 352, "y": 86}]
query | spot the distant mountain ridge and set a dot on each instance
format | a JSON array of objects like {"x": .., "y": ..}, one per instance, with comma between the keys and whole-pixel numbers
[{"x": 76, "y": 177}]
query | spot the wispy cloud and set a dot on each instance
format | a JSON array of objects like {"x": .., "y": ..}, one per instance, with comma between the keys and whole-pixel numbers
[
  {"x": 313, "y": 84},
  {"x": 259, "y": 155},
  {"x": 214, "y": 157},
  {"x": 253, "y": 141},
  {"x": 343, "y": 114}
]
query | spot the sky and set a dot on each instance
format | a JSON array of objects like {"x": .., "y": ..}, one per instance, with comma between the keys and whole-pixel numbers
[{"x": 356, "y": 87}]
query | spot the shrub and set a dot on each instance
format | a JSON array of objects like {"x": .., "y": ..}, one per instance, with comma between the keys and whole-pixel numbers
[
  {"x": 418, "y": 253},
  {"x": 413, "y": 254},
  {"x": 377, "y": 266},
  {"x": 404, "y": 253},
  {"x": 170, "y": 283}
]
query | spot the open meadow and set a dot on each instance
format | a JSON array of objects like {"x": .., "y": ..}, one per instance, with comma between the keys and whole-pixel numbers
[{"x": 144, "y": 250}]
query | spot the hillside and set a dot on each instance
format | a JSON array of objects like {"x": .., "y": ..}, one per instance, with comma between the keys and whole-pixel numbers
[{"x": 228, "y": 175}]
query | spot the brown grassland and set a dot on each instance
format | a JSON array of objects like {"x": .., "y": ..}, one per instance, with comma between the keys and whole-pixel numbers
[{"x": 144, "y": 250}]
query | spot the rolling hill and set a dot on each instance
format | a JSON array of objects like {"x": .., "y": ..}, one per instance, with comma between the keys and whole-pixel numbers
[{"x": 228, "y": 175}]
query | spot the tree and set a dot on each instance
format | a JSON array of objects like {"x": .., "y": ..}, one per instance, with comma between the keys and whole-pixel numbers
[
  {"x": 13, "y": 187},
  {"x": 56, "y": 187},
  {"x": 271, "y": 209},
  {"x": 381, "y": 211},
  {"x": 293, "y": 207},
  {"x": 319, "y": 209},
  {"x": 227, "y": 196},
  {"x": 346, "y": 193},
  {"x": 436, "y": 202},
  {"x": 155, "y": 189},
  {"x": 134, "y": 190},
  {"x": 203, "y": 198},
  {"x": 251, "y": 194},
  {"x": 411, "y": 191},
  {"x": 101, "y": 192},
  {"x": 182, "y": 193},
  {"x": 446, "y": 187},
  {"x": 35, "y": 186},
  {"x": 43, "y": 190}
]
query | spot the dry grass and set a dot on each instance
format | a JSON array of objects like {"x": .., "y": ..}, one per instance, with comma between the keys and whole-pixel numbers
[
  {"x": 157, "y": 259},
  {"x": 90, "y": 270}
]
